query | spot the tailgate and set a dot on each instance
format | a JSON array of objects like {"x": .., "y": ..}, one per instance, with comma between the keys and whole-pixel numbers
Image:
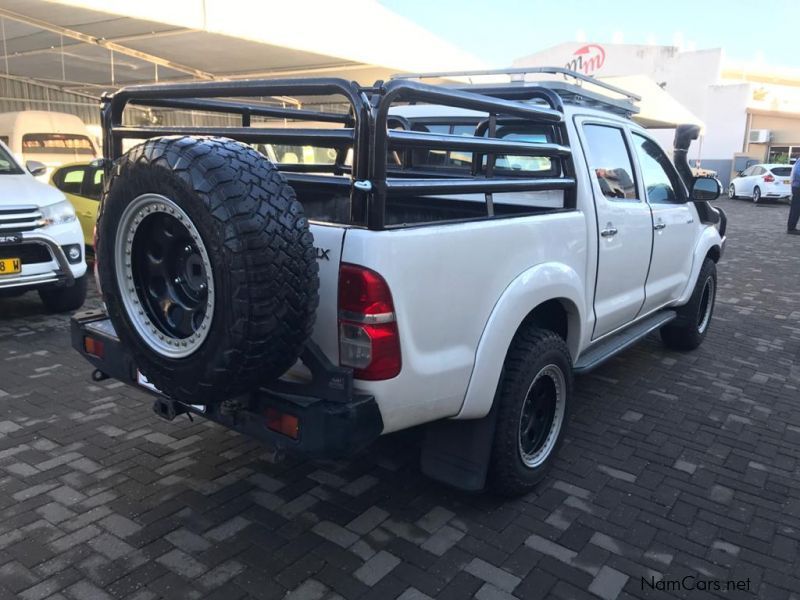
[{"x": 328, "y": 240}]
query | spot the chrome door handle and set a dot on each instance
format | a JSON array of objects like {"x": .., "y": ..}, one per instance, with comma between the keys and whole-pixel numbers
[
  {"x": 609, "y": 232},
  {"x": 659, "y": 226}
]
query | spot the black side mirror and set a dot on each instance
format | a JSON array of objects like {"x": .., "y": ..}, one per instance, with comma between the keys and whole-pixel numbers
[
  {"x": 705, "y": 189},
  {"x": 36, "y": 168}
]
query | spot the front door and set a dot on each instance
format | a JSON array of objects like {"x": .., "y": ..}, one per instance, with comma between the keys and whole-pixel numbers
[
  {"x": 625, "y": 228},
  {"x": 674, "y": 224}
]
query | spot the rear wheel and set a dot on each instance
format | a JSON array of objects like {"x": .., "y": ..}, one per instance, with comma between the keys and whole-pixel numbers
[
  {"x": 533, "y": 408},
  {"x": 690, "y": 327},
  {"x": 731, "y": 191},
  {"x": 207, "y": 266},
  {"x": 756, "y": 195}
]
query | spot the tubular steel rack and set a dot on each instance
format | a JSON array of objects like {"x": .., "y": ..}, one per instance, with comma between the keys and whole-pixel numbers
[{"x": 371, "y": 132}]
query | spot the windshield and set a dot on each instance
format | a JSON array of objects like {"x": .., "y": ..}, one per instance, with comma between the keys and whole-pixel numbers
[
  {"x": 8, "y": 165},
  {"x": 57, "y": 143}
]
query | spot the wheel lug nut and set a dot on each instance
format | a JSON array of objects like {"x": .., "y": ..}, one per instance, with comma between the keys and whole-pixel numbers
[
  {"x": 176, "y": 281},
  {"x": 187, "y": 249}
]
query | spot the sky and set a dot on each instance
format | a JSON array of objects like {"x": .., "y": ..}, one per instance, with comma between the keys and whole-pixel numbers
[{"x": 499, "y": 31}]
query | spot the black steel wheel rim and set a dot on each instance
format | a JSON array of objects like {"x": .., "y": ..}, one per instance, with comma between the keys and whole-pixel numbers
[
  {"x": 169, "y": 275},
  {"x": 541, "y": 416},
  {"x": 164, "y": 276}
]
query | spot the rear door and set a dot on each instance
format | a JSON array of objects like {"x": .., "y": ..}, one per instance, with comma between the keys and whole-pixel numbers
[
  {"x": 675, "y": 229},
  {"x": 624, "y": 223}
]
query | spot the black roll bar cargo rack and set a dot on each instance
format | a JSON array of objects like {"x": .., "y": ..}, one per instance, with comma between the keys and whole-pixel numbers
[{"x": 371, "y": 132}]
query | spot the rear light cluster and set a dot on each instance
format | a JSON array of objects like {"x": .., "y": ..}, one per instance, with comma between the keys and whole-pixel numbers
[
  {"x": 768, "y": 178},
  {"x": 369, "y": 341}
]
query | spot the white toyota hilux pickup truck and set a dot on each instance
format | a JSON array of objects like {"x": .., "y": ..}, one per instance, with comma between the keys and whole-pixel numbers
[
  {"x": 41, "y": 243},
  {"x": 445, "y": 256}
]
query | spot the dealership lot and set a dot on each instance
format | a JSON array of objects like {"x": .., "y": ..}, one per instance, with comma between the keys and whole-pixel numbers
[{"x": 675, "y": 465}]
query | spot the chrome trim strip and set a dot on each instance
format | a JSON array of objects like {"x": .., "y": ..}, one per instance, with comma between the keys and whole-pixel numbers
[{"x": 28, "y": 280}]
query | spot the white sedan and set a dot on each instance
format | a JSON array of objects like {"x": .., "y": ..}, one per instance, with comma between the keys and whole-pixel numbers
[{"x": 762, "y": 181}]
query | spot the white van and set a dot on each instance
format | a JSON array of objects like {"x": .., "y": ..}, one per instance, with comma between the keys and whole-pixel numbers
[{"x": 51, "y": 138}]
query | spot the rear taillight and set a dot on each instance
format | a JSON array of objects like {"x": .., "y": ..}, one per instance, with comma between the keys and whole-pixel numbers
[
  {"x": 768, "y": 178},
  {"x": 368, "y": 337}
]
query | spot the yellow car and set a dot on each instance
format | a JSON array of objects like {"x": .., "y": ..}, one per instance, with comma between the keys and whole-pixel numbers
[{"x": 82, "y": 184}]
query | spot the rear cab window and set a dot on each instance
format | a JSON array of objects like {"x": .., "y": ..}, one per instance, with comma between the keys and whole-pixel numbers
[{"x": 611, "y": 162}]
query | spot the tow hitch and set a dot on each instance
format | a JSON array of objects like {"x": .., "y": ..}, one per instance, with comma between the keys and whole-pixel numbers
[{"x": 168, "y": 409}]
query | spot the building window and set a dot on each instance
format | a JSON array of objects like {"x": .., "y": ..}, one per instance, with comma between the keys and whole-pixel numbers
[{"x": 784, "y": 154}]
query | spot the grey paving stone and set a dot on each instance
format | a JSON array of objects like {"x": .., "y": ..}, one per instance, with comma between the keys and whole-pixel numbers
[
  {"x": 368, "y": 520},
  {"x": 335, "y": 533},
  {"x": 376, "y": 568},
  {"x": 608, "y": 583},
  {"x": 550, "y": 548},
  {"x": 120, "y": 526},
  {"x": 309, "y": 590},
  {"x": 182, "y": 564},
  {"x": 188, "y": 541},
  {"x": 497, "y": 577}
]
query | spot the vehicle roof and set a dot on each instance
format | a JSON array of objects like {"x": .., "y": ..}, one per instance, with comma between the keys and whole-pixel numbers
[
  {"x": 771, "y": 166},
  {"x": 61, "y": 122}
]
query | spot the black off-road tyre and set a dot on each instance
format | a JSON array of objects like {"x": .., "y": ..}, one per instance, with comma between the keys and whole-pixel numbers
[
  {"x": 688, "y": 330},
  {"x": 258, "y": 249},
  {"x": 536, "y": 355},
  {"x": 64, "y": 299}
]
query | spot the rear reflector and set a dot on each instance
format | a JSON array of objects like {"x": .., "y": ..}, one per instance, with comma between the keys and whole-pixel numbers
[
  {"x": 288, "y": 425},
  {"x": 93, "y": 347},
  {"x": 369, "y": 340}
]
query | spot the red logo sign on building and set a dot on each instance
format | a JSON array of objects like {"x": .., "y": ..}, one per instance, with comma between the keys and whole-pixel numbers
[{"x": 587, "y": 59}]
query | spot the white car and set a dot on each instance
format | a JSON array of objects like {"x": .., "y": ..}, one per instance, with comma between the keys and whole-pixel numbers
[
  {"x": 762, "y": 181},
  {"x": 41, "y": 242}
]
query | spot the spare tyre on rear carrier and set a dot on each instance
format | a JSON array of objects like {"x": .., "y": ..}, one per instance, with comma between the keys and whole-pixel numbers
[{"x": 207, "y": 266}]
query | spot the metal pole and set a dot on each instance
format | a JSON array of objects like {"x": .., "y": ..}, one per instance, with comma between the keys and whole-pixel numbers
[
  {"x": 5, "y": 47},
  {"x": 63, "y": 66}
]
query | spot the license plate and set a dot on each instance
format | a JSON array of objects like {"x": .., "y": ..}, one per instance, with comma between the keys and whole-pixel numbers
[
  {"x": 787, "y": 181},
  {"x": 10, "y": 266},
  {"x": 145, "y": 383}
]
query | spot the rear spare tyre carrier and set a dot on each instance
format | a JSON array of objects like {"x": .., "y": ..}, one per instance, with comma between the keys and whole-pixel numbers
[{"x": 207, "y": 266}]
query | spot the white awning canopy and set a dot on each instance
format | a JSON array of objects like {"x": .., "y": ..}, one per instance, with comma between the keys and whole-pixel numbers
[
  {"x": 657, "y": 108},
  {"x": 90, "y": 46}
]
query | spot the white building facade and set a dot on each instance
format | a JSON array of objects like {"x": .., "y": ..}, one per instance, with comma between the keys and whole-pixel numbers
[{"x": 750, "y": 114}]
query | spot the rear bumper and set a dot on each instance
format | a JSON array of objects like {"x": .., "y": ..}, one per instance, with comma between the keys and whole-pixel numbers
[{"x": 334, "y": 424}]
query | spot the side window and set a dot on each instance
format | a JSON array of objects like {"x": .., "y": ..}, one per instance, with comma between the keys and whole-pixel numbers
[
  {"x": 93, "y": 185},
  {"x": 70, "y": 180},
  {"x": 610, "y": 160},
  {"x": 657, "y": 173}
]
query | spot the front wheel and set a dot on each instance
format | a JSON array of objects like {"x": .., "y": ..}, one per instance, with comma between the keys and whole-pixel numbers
[
  {"x": 688, "y": 330},
  {"x": 756, "y": 195},
  {"x": 533, "y": 408}
]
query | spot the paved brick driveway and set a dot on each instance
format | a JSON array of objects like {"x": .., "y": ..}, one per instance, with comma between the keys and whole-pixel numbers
[{"x": 675, "y": 465}]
